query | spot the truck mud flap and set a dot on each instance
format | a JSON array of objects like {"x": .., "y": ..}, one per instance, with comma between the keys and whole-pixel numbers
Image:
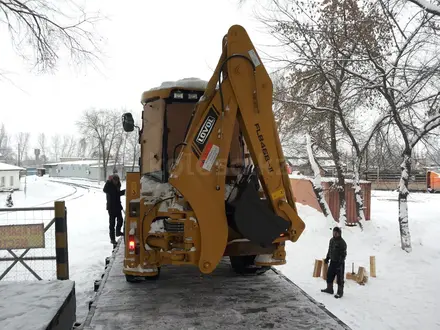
[{"x": 252, "y": 217}]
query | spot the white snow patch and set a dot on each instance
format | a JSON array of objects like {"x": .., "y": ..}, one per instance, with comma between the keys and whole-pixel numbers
[
  {"x": 155, "y": 189},
  {"x": 238, "y": 240},
  {"x": 317, "y": 181},
  {"x": 404, "y": 295},
  {"x": 36, "y": 303},
  {"x": 157, "y": 227},
  {"x": 139, "y": 269},
  {"x": 189, "y": 83},
  {"x": 266, "y": 258},
  {"x": 323, "y": 179}
]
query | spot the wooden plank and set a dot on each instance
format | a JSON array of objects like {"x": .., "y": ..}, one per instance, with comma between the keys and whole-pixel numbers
[
  {"x": 372, "y": 266},
  {"x": 360, "y": 275},
  {"x": 317, "y": 269}
]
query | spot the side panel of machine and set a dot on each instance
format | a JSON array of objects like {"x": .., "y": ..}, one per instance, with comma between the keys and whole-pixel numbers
[{"x": 132, "y": 215}]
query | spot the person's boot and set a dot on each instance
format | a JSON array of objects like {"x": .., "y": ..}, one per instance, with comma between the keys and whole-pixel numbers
[
  {"x": 112, "y": 238},
  {"x": 329, "y": 288},
  {"x": 340, "y": 292}
]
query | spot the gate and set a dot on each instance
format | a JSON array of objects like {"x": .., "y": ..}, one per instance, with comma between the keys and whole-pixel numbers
[{"x": 33, "y": 243}]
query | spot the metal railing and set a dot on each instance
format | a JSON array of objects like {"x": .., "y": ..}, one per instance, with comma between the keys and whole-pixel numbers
[{"x": 33, "y": 243}]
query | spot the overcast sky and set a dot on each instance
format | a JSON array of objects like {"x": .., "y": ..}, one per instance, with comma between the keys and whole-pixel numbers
[{"x": 148, "y": 42}]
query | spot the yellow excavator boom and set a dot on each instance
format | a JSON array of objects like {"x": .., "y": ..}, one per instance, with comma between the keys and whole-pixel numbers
[{"x": 240, "y": 89}]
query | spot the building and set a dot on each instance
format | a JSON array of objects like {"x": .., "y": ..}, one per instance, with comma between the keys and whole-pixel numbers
[
  {"x": 85, "y": 169},
  {"x": 9, "y": 177}
]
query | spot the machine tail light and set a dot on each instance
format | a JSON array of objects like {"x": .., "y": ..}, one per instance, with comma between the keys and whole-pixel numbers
[{"x": 131, "y": 243}]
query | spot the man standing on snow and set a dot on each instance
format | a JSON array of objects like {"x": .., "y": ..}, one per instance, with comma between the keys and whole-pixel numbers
[
  {"x": 337, "y": 252},
  {"x": 112, "y": 188}
]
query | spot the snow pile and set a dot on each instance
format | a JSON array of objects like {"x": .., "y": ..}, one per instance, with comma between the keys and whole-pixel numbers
[
  {"x": 31, "y": 305},
  {"x": 157, "y": 227},
  {"x": 189, "y": 83},
  {"x": 155, "y": 189},
  {"x": 404, "y": 295}
]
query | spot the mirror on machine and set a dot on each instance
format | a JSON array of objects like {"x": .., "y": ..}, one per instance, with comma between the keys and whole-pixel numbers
[{"x": 128, "y": 122}]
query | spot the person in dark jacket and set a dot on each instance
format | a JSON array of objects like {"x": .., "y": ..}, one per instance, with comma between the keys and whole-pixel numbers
[
  {"x": 112, "y": 188},
  {"x": 337, "y": 252}
]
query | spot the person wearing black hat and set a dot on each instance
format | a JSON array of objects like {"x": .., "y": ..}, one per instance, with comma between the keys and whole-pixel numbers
[
  {"x": 112, "y": 188},
  {"x": 337, "y": 252}
]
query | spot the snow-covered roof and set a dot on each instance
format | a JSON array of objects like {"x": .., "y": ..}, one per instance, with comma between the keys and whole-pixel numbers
[
  {"x": 9, "y": 167},
  {"x": 75, "y": 162},
  {"x": 190, "y": 83}
]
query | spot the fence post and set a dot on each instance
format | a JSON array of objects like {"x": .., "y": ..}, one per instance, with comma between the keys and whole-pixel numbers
[{"x": 61, "y": 245}]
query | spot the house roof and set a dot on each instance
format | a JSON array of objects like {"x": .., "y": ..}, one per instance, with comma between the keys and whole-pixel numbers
[{"x": 9, "y": 167}]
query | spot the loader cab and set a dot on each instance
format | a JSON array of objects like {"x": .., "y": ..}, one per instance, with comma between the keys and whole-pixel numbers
[{"x": 166, "y": 117}]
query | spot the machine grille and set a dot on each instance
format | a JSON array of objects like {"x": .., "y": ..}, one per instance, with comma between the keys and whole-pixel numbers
[{"x": 174, "y": 227}]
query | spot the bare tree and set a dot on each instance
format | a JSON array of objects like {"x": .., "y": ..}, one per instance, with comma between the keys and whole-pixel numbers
[
  {"x": 22, "y": 139},
  {"x": 104, "y": 128},
  {"x": 68, "y": 146},
  {"x": 82, "y": 147},
  {"x": 42, "y": 143},
  {"x": 6, "y": 151},
  {"x": 56, "y": 147},
  {"x": 40, "y": 30},
  {"x": 322, "y": 40},
  {"x": 317, "y": 184},
  {"x": 406, "y": 74},
  {"x": 135, "y": 150}
]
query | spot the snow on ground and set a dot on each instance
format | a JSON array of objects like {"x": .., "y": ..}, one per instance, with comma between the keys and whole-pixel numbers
[
  {"x": 88, "y": 238},
  {"x": 38, "y": 192},
  {"x": 404, "y": 295},
  {"x": 39, "y": 301}
]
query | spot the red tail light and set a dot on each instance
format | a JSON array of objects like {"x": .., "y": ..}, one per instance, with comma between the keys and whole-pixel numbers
[{"x": 131, "y": 243}]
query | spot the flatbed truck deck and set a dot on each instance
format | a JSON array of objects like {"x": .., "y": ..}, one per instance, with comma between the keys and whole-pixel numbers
[{"x": 183, "y": 298}]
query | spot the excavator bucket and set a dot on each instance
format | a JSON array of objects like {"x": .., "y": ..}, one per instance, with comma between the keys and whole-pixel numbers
[{"x": 253, "y": 217}]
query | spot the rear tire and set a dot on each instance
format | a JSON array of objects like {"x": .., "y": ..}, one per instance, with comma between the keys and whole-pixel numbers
[{"x": 245, "y": 265}]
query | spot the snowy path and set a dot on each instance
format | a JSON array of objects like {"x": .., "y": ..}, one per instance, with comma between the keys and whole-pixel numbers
[{"x": 404, "y": 295}]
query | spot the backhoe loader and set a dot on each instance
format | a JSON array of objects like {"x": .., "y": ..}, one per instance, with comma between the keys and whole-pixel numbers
[{"x": 213, "y": 180}]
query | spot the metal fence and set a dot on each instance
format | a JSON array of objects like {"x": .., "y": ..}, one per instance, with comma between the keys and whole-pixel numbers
[{"x": 33, "y": 243}]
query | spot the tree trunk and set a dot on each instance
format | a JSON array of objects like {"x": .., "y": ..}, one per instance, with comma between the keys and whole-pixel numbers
[
  {"x": 405, "y": 236},
  {"x": 104, "y": 164},
  {"x": 340, "y": 186},
  {"x": 317, "y": 185},
  {"x": 358, "y": 192}
]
